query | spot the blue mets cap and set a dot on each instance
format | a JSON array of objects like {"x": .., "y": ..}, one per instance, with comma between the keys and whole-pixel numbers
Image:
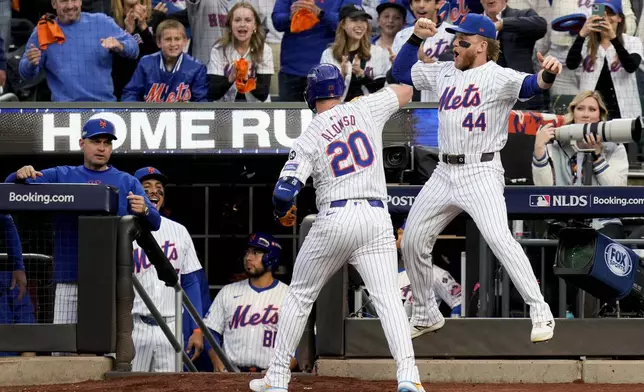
[
  {"x": 98, "y": 127},
  {"x": 614, "y": 5},
  {"x": 150, "y": 173},
  {"x": 475, "y": 24},
  {"x": 397, "y": 4}
]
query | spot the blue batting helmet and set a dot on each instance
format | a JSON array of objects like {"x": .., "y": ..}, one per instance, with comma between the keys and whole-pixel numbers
[
  {"x": 272, "y": 249},
  {"x": 323, "y": 81}
]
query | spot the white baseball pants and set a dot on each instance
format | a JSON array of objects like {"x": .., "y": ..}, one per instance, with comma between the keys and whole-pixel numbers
[
  {"x": 477, "y": 189},
  {"x": 362, "y": 235},
  {"x": 154, "y": 352}
]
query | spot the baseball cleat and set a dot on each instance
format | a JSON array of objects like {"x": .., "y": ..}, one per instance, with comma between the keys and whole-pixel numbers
[
  {"x": 408, "y": 386},
  {"x": 542, "y": 331},
  {"x": 260, "y": 386},
  {"x": 417, "y": 330}
]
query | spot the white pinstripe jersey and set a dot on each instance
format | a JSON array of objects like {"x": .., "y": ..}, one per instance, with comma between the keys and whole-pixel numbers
[
  {"x": 474, "y": 105},
  {"x": 446, "y": 288},
  {"x": 247, "y": 319},
  {"x": 175, "y": 242},
  {"x": 342, "y": 150}
]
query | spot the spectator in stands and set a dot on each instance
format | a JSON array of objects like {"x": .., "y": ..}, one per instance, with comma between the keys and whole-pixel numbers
[
  {"x": 438, "y": 44},
  {"x": 363, "y": 65},
  {"x": 241, "y": 63},
  {"x": 168, "y": 75},
  {"x": 558, "y": 43},
  {"x": 273, "y": 38},
  {"x": 609, "y": 59},
  {"x": 208, "y": 22},
  {"x": 78, "y": 61},
  {"x": 138, "y": 18},
  {"x": 438, "y": 47},
  {"x": 302, "y": 48},
  {"x": 391, "y": 19},
  {"x": 559, "y": 163},
  {"x": 518, "y": 30}
]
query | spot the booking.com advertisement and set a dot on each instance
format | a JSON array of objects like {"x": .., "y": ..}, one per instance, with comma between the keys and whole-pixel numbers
[{"x": 542, "y": 202}]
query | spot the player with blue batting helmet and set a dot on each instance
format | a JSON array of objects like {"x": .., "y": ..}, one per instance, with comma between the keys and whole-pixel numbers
[
  {"x": 271, "y": 248},
  {"x": 323, "y": 81}
]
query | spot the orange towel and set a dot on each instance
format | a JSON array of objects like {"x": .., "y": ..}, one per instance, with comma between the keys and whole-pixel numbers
[
  {"x": 303, "y": 20},
  {"x": 15, "y": 5},
  {"x": 49, "y": 32},
  {"x": 243, "y": 84}
]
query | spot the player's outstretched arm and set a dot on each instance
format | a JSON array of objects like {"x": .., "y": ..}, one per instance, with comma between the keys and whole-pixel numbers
[
  {"x": 403, "y": 92},
  {"x": 543, "y": 80},
  {"x": 408, "y": 55}
]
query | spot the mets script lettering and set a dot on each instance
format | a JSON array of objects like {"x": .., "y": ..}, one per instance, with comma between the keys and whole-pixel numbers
[
  {"x": 158, "y": 90},
  {"x": 141, "y": 260},
  {"x": 438, "y": 49},
  {"x": 450, "y": 101},
  {"x": 243, "y": 317}
]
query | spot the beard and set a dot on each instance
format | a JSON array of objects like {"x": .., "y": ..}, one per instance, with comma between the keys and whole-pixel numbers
[
  {"x": 466, "y": 61},
  {"x": 255, "y": 272}
]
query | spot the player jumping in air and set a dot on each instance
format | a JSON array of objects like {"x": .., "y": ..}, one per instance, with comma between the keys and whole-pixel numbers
[
  {"x": 342, "y": 150},
  {"x": 476, "y": 97}
]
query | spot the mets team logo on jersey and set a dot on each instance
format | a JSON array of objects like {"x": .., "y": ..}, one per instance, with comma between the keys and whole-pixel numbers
[
  {"x": 243, "y": 316},
  {"x": 158, "y": 91},
  {"x": 141, "y": 261}
]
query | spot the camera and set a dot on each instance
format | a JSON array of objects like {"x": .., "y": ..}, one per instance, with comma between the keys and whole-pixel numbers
[{"x": 616, "y": 131}]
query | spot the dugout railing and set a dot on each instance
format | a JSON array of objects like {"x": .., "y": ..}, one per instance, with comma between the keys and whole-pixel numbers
[
  {"x": 339, "y": 335},
  {"x": 105, "y": 276}
]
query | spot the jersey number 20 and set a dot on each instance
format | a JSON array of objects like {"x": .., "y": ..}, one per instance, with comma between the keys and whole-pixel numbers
[{"x": 343, "y": 152}]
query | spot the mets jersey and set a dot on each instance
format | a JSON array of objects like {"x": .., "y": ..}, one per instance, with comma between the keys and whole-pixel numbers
[
  {"x": 152, "y": 82},
  {"x": 176, "y": 244},
  {"x": 246, "y": 317},
  {"x": 342, "y": 150},
  {"x": 474, "y": 105},
  {"x": 447, "y": 289}
]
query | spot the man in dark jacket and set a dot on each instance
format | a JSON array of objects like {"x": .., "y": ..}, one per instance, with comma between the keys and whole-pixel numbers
[{"x": 518, "y": 30}]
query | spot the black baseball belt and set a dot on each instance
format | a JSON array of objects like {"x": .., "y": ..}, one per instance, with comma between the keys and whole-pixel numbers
[{"x": 460, "y": 159}]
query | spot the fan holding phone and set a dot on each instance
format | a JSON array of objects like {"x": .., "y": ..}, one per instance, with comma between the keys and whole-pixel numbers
[{"x": 609, "y": 59}]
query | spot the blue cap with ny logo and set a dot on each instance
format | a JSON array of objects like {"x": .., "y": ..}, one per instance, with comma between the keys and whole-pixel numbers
[
  {"x": 98, "y": 127},
  {"x": 475, "y": 24}
]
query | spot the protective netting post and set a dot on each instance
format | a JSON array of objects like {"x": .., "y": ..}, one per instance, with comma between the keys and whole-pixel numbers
[{"x": 127, "y": 231}]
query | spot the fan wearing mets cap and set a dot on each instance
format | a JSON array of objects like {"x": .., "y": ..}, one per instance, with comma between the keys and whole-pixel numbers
[
  {"x": 154, "y": 353},
  {"x": 342, "y": 150},
  {"x": 96, "y": 140},
  {"x": 244, "y": 314},
  {"x": 476, "y": 97}
]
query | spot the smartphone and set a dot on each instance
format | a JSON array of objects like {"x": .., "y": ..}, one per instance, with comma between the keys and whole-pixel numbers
[{"x": 599, "y": 10}]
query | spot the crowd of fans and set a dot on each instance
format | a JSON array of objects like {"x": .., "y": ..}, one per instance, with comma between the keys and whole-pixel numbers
[{"x": 261, "y": 50}]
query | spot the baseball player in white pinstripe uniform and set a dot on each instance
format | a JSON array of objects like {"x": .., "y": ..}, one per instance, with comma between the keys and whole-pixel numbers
[
  {"x": 154, "y": 353},
  {"x": 245, "y": 314},
  {"x": 342, "y": 150},
  {"x": 476, "y": 97}
]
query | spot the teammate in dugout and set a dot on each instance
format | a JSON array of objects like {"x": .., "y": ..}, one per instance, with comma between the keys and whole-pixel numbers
[
  {"x": 342, "y": 150},
  {"x": 477, "y": 96},
  {"x": 154, "y": 352},
  {"x": 444, "y": 284},
  {"x": 96, "y": 143},
  {"x": 244, "y": 314},
  {"x": 168, "y": 75}
]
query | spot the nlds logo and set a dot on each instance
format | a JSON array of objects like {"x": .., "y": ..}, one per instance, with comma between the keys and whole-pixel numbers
[{"x": 558, "y": 201}]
